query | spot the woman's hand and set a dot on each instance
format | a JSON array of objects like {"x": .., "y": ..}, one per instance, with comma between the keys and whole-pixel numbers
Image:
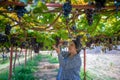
[
  {"x": 57, "y": 49},
  {"x": 58, "y": 46},
  {"x": 54, "y": 47}
]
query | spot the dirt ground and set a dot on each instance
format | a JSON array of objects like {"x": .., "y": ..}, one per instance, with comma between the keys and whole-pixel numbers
[
  {"x": 105, "y": 66},
  {"x": 46, "y": 70}
]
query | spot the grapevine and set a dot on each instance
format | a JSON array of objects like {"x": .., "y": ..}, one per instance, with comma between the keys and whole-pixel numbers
[
  {"x": 3, "y": 38},
  {"x": 20, "y": 10},
  {"x": 10, "y": 8},
  {"x": 57, "y": 39},
  {"x": 73, "y": 28},
  {"x": 100, "y": 4},
  {"x": 7, "y": 29},
  {"x": 23, "y": 44},
  {"x": 89, "y": 16},
  {"x": 13, "y": 41},
  {"x": 36, "y": 48},
  {"x": 117, "y": 4},
  {"x": 67, "y": 8}
]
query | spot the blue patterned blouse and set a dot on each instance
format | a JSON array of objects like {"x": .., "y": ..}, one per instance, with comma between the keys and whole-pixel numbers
[{"x": 69, "y": 67}]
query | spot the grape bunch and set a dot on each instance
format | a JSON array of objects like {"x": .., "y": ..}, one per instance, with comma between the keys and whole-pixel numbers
[
  {"x": 67, "y": 7},
  {"x": 33, "y": 41},
  {"x": 117, "y": 4},
  {"x": 89, "y": 16},
  {"x": 41, "y": 45},
  {"x": 20, "y": 10},
  {"x": 110, "y": 41},
  {"x": 73, "y": 28},
  {"x": 100, "y": 4},
  {"x": 36, "y": 48},
  {"x": 13, "y": 41},
  {"x": 7, "y": 29},
  {"x": 23, "y": 44},
  {"x": 3, "y": 38},
  {"x": 57, "y": 39},
  {"x": 97, "y": 41},
  {"x": 89, "y": 43},
  {"x": 10, "y": 8}
]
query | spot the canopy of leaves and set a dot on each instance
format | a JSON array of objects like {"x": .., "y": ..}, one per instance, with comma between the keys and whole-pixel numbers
[{"x": 45, "y": 22}]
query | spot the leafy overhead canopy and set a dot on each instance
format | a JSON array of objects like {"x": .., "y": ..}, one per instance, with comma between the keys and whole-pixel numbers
[{"x": 45, "y": 22}]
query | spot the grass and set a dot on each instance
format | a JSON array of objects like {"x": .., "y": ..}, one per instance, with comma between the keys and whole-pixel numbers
[
  {"x": 4, "y": 75},
  {"x": 52, "y": 59},
  {"x": 21, "y": 72},
  {"x": 4, "y": 62},
  {"x": 89, "y": 75}
]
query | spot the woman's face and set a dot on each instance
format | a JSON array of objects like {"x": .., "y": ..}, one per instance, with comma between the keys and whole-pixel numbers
[{"x": 72, "y": 48}]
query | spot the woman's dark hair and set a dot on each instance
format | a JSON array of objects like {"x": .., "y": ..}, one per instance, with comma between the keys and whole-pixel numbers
[{"x": 77, "y": 43}]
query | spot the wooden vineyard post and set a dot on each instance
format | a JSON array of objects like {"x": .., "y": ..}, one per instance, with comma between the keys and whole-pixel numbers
[
  {"x": 25, "y": 56},
  {"x": 10, "y": 67},
  {"x": 84, "y": 64},
  {"x": 31, "y": 53},
  {"x": 3, "y": 54},
  {"x": 15, "y": 59}
]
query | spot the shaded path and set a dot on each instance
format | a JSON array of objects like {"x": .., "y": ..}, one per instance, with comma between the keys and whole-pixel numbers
[{"x": 46, "y": 70}]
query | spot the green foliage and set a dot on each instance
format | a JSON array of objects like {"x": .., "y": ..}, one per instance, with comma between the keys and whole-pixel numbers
[
  {"x": 4, "y": 75},
  {"x": 26, "y": 72},
  {"x": 40, "y": 7},
  {"x": 51, "y": 59},
  {"x": 23, "y": 72},
  {"x": 4, "y": 62},
  {"x": 47, "y": 18},
  {"x": 105, "y": 22},
  {"x": 89, "y": 75}
]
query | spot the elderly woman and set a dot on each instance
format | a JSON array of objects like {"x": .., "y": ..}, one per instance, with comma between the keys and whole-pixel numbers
[{"x": 70, "y": 62}]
